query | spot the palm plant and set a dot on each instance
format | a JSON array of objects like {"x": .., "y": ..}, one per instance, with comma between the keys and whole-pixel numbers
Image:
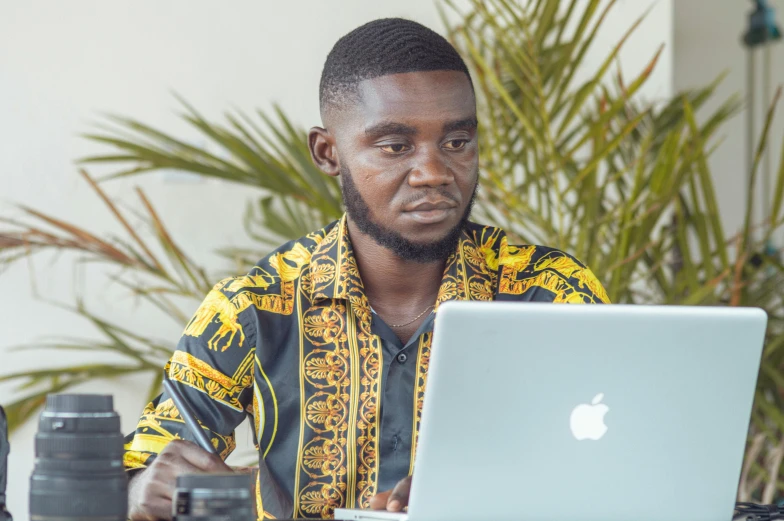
[
  {"x": 158, "y": 279},
  {"x": 585, "y": 166}
]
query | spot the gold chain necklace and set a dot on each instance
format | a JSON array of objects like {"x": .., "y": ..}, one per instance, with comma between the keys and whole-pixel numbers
[{"x": 415, "y": 318}]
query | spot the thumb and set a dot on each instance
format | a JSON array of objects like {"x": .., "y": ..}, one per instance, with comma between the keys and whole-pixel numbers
[
  {"x": 379, "y": 501},
  {"x": 398, "y": 500}
]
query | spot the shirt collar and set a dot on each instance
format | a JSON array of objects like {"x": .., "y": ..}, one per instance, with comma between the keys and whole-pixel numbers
[
  {"x": 334, "y": 273},
  {"x": 470, "y": 272}
]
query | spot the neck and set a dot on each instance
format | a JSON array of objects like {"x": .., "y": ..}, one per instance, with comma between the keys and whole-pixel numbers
[{"x": 392, "y": 282}]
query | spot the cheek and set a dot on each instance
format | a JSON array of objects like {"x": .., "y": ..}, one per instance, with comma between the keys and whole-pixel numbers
[
  {"x": 466, "y": 169},
  {"x": 377, "y": 178}
]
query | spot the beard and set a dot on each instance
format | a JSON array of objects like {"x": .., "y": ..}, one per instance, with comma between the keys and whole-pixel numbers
[{"x": 408, "y": 250}]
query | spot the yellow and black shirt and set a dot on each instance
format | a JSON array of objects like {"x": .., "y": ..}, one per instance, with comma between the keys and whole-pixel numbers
[{"x": 334, "y": 397}]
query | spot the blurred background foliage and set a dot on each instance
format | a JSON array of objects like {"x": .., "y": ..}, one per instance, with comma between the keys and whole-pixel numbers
[{"x": 583, "y": 165}]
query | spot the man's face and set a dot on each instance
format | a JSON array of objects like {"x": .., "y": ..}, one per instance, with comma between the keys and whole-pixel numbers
[{"x": 407, "y": 153}]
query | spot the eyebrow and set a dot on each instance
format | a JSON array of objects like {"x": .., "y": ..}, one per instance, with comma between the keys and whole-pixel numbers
[
  {"x": 461, "y": 124},
  {"x": 386, "y": 128}
]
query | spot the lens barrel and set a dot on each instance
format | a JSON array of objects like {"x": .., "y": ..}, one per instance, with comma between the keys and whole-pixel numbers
[
  {"x": 5, "y": 448},
  {"x": 78, "y": 470}
]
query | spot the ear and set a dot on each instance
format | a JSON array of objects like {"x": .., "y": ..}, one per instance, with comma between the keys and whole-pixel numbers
[{"x": 323, "y": 151}]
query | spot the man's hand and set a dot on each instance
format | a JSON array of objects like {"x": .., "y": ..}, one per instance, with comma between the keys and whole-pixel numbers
[
  {"x": 151, "y": 491},
  {"x": 393, "y": 500}
]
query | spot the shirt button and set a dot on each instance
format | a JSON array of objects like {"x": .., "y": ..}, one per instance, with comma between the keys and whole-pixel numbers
[{"x": 402, "y": 357}]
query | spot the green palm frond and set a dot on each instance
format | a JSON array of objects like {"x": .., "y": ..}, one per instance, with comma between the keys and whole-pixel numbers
[
  {"x": 271, "y": 155},
  {"x": 140, "y": 355},
  {"x": 155, "y": 278}
]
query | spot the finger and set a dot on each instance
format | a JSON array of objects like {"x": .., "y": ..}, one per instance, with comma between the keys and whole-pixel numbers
[
  {"x": 167, "y": 475},
  {"x": 198, "y": 457},
  {"x": 398, "y": 499},
  {"x": 158, "y": 508},
  {"x": 151, "y": 502},
  {"x": 157, "y": 498},
  {"x": 170, "y": 463},
  {"x": 379, "y": 501}
]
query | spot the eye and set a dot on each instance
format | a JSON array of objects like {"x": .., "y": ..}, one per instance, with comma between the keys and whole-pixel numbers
[
  {"x": 456, "y": 144},
  {"x": 395, "y": 148}
]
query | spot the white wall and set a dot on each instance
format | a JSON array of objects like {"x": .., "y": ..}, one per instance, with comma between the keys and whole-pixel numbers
[
  {"x": 61, "y": 63},
  {"x": 708, "y": 42}
]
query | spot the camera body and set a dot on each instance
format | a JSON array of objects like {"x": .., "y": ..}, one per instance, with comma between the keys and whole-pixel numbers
[
  {"x": 213, "y": 497},
  {"x": 5, "y": 447}
]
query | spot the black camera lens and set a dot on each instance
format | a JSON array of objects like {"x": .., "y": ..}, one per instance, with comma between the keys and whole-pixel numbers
[
  {"x": 78, "y": 470},
  {"x": 4, "y": 449},
  {"x": 213, "y": 497}
]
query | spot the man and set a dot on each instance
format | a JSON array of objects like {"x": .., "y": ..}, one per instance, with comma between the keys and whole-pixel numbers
[{"x": 324, "y": 345}]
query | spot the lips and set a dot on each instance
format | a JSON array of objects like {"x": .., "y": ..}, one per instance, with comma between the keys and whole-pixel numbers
[
  {"x": 424, "y": 206},
  {"x": 431, "y": 212}
]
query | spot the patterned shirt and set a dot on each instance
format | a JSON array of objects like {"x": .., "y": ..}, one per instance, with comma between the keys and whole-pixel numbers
[{"x": 334, "y": 397}]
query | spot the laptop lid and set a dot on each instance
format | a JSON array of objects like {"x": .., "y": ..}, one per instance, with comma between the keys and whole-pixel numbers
[{"x": 597, "y": 413}]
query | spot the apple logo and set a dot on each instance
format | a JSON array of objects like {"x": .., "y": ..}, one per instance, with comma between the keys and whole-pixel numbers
[{"x": 587, "y": 421}]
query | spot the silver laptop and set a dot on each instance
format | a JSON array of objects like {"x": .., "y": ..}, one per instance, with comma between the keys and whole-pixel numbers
[{"x": 549, "y": 412}]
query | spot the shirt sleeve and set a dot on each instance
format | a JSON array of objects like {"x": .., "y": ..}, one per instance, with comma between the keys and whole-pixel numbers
[
  {"x": 212, "y": 368},
  {"x": 541, "y": 274},
  {"x": 588, "y": 287}
]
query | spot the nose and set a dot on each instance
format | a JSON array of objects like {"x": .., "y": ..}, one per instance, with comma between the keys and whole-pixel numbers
[{"x": 429, "y": 169}]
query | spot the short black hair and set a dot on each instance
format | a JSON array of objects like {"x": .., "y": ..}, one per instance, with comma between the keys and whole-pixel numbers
[{"x": 382, "y": 47}]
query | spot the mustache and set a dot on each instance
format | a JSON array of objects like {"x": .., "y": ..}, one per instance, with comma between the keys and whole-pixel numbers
[{"x": 428, "y": 193}]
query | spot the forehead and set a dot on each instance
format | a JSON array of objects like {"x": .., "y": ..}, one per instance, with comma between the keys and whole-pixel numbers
[{"x": 413, "y": 97}]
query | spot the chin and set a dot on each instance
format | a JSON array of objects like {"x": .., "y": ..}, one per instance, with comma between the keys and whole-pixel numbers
[
  {"x": 424, "y": 236},
  {"x": 426, "y": 233}
]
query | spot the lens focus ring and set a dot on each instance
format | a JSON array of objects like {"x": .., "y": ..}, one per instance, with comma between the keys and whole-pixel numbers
[
  {"x": 80, "y": 403},
  {"x": 91, "y": 444}
]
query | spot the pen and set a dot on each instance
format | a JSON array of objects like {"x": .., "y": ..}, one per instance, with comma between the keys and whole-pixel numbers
[{"x": 187, "y": 414}]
